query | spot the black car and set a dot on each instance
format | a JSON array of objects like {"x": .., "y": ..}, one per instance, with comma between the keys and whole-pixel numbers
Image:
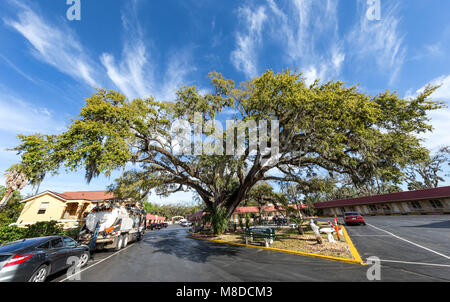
[
  {"x": 36, "y": 258},
  {"x": 154, "y": 226},
  {"x": 279, "y": 220}
]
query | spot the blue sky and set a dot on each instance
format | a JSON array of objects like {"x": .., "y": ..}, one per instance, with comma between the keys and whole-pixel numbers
[{"x": 48, "y": 64}]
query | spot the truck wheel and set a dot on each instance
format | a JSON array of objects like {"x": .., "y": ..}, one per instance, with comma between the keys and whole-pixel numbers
[
  {"x": 119, "y": 243},
  {"x": 125, "y": 240}
]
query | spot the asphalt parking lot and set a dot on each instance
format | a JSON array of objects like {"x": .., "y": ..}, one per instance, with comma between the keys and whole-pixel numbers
[
  {"x": 416, "y": 244},
  {"x": 411, "y": 248}
]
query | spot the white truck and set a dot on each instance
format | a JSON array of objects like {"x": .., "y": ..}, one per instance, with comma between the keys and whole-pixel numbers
[{"x": 113, "y": 227}]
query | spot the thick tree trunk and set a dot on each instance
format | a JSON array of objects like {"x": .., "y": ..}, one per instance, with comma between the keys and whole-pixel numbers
[
  {"x": 260, "y": 213},
  {"x": 235, "y": 199},
  {"x": 300, "y": 229}
]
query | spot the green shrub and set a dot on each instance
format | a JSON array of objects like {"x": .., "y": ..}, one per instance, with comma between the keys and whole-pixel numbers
[
  {"x": 39, "y": 229},
  {"x": 11, "y": 233},
  {"x": 73, "y": 233},
  {"x": 44, "y": 228},
  {"x": 219, "y": 221},
  {"x": 241, "y": 222},
  {"x": 247, "y": 220}
]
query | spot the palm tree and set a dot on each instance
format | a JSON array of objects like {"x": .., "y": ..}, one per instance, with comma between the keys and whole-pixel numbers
[{"x": 14, "y": 181}]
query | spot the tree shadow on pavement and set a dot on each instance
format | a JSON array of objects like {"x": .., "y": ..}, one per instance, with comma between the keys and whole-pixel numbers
[
  {"x": 435, "y": 225},
  {"x": 191, "y": 249}
]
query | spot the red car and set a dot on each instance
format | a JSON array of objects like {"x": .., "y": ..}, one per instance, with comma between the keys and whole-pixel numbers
[{"x": 353, "y": 218}]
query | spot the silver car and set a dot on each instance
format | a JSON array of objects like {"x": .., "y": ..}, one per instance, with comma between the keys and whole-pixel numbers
[{"x": 32, "y": 260}]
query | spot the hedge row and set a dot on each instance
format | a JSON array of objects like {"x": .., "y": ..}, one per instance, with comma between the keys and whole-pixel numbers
[{"x": 39, "y": 229}]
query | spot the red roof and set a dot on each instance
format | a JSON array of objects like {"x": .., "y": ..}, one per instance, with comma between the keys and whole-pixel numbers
[
  {"x": 392, "y": 197},
  {"x": 87, "y": 195},
  {"x": 246, "y": 210},
  {"x": 252, "y": 209},
  {"x": 265, "y": 209},
  {"x": 154, "y": 217}
]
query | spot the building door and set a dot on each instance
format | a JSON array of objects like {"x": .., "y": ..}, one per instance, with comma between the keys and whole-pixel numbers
[
  {"x": 364, "y": 210},
  {"x": 395, "y": 208},
  {"x": 406, "y": 207},
  {"x": 386, "y": 209},
  {"x": 373, "y": 209}
]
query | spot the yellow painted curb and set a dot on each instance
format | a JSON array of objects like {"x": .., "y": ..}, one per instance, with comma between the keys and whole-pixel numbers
[
  {"x": 352, "y": 247},
  {"x": 203, "y": 235},
  {"x": 200, "y": 235},
  {"x": 352, "y": 261}
]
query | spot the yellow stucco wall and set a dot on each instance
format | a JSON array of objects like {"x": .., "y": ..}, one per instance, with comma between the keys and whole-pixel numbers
[{"x": 54, "y": 210}]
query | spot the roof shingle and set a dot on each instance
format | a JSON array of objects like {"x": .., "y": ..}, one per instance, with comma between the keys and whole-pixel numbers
[{"x": 86, "y": 195}]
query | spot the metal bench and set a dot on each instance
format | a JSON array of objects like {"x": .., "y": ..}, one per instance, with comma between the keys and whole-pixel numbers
[{"x": 268, "y": 234}]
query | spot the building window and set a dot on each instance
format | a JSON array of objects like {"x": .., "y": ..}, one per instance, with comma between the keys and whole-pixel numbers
[
  {"x": 436, "y": 204},
  {"x": 352, "y": 209},
  {"x": 372, "y": 208},
  {"x": 386, "y": 208},
  {"x": 43, "y": 208},
  {"x": 71, "y": 210},
  {"x": 416, "y": 205}
]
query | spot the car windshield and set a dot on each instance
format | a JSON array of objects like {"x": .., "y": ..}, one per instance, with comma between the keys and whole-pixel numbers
[{"x": 352, "y": 214}]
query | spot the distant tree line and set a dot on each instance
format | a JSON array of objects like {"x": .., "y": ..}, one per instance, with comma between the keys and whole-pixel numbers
[{"x": 171, "y": 210}]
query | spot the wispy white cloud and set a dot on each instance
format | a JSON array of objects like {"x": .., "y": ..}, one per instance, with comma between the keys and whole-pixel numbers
[
  {"x": 244, "y": 57},
  {"x": 301, "y": 28},
  {"x": 440, "y": 136},
  {"x": 304, "y": 27},
  {"x": 17, "y": 69},
  {"x": 443, "y": 92},
  {"x": 135, "y": 73},
  {"x": 54, "y": 45},
  {"x": 129, "y": 75},
  {"x": 17, "y": 116},
  {"x": 440, "y": 119},
  {"x": 303, "y": 24},
  {"x": 337, "y": 57},
  {"x": 308, "y": 33},
  {"x": 379, "y": 40}
]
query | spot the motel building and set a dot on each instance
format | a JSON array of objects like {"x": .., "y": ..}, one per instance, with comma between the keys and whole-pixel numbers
[
  {"x": 420, "y": 202},
  {"x": 68, "y": 209},
  {"x": 150, "y": 218},
  {"x": 267, "y": 213}
]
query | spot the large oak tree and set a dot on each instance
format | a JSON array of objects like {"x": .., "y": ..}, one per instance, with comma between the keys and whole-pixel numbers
[{"x": 322, "y": 127}]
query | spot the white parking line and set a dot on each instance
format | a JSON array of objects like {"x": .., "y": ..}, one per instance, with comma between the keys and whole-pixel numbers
[
  {"x": 416, "y": 263},
  {"x": 94, "y": 264},
  {"x": 398, "y": 237}
]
